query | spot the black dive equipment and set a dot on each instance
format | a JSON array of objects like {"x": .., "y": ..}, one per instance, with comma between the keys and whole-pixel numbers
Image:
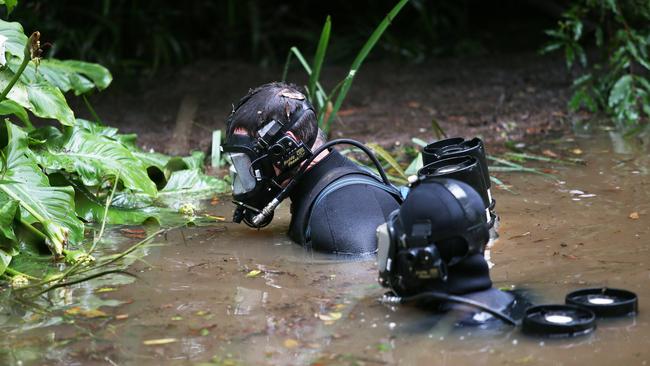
[
  {"x": 466, "y": 169},
  {"x": 257, "y": 189},
  {"x": 260, "y": 165},
  {"x": 605, "y": 302},
  {"x": 459, "y": 147},
  {"x": 439, "y": 224},
  {"x": 558, "y": 320},
  {"x": 455, "y": 147},
  {"x": 266, "y": 214}
]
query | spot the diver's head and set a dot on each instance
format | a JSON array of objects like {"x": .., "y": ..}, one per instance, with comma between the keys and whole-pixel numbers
[
  {"x": 268, "y": 135},
  {"x": 435, "y": 240}
]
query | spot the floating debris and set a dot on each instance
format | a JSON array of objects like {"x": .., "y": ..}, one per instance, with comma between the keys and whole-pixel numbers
[
  {"x": 335, "y": 315},
  {"x": 290, "y": 343},
  {"x": 159, "y": 342},
  {"x": 253, "y": 273}
]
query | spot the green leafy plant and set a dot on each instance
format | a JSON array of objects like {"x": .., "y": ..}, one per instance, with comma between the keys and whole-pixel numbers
[
  {"x": 56, "y": 179},
  {"x": 328, "y": 104},
  {"x": 616, "y": 80}
]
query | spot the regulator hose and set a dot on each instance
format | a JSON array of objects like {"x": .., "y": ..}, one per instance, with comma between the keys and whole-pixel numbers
[
  {"x": 284, "y": 193},
  {"x": 440, "y": 296}
]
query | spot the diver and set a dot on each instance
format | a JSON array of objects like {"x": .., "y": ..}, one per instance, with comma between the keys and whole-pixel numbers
[
  {"x": 278, "y": 151},
  {"x": 431, "y": 250}
]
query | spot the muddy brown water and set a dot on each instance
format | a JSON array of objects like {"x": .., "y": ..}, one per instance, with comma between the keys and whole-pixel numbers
[{"x": 229, "y": 295}]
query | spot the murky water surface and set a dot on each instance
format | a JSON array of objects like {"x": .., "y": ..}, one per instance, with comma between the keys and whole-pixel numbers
[{"x": 227, "y": 294}]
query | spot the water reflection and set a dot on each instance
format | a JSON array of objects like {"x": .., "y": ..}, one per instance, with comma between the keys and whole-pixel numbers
[{"x": 200, "y": 287}]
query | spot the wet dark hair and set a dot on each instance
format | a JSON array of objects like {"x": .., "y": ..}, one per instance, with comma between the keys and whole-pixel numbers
[{"x": 274, "y": 101}]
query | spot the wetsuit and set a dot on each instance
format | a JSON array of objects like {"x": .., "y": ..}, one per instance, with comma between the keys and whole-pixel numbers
[{"x": 337, "y": 206}]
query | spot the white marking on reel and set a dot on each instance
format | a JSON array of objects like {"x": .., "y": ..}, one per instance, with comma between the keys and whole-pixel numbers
[
  {"x": 558, "y": 319},
  {"x": 598, "y": 300}
]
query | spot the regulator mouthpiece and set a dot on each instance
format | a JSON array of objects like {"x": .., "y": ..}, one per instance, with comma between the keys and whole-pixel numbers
[{"x": 267, "y": 212}]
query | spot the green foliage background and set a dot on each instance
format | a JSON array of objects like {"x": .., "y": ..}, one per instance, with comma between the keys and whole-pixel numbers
[
  {"x": 55, "y": 179},
  {"x": 614, "y": 77}
]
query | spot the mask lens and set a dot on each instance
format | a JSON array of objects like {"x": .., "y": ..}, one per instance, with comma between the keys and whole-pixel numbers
[{"x": 242, "y": 180}]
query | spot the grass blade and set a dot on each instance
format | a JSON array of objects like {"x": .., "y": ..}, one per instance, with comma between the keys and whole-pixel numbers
[
  {"x": 361, "y": 56},
  {"x": 388, "y": 158},
  {"x": 526, "y": 156},
  {"x": 513, "y": 167},
  {"x": 305, "y": 65},
  {"x": 319, "y": 56},
  {"x": 502, "y": 185},
  {"x": 419, "y": 142}
]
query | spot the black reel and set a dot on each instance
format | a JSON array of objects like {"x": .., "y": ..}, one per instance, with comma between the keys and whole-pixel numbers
[
  {"x": 605, "y": 302},
  {"x": 456, "y": 147},
  {"x": 558, "y": 321}
]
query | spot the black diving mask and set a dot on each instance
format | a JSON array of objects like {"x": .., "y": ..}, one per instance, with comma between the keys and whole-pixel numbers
[{"x": 260, "y": 166}]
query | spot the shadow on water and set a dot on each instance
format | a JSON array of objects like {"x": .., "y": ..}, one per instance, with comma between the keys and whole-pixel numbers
[{"x": 225, "y": 294}]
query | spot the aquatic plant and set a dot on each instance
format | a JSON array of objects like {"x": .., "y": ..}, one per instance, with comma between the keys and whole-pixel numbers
[
  {"x": 614, "y": 80},
  {"x": 322, "y": 100},
  {"x": 57, "y": 180}
]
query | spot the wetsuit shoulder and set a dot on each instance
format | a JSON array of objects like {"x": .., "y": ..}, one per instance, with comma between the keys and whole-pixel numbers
[{"x": 345, "y": 220}]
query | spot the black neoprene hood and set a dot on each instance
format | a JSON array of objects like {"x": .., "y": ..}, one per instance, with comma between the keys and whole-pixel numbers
[
  {"x": 447, "y": 209},
  {"x": 457, "y": 227}
]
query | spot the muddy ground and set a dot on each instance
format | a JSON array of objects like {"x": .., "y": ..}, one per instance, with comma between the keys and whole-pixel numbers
[{"x": 496, "y": 97}]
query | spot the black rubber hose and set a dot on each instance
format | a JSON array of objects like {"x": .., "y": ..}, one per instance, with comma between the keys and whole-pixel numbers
[
  {"x": 432, "y": 295},
  {"x": 354, "y": 143},
  {"x": 285, "y": 192}
]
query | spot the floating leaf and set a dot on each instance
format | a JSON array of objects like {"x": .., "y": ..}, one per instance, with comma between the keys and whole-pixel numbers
[
  {"x": 159, "y": 342},
  {"x": 634, "y": 215},
  {"x": 290, "y": 343},
  {"x": 384, "y": 347},
  {"x": 335, "y": 315},
  {"x": 253, "y": 273},
  {"x": 91, "y": 313},
  {"x": 105, "y": 289}
]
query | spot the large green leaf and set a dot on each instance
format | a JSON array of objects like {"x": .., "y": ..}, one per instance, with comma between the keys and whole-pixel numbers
[
  {"x": 47, "y": 101},
  {"x": 5, "y": 259},
  {"x": 96, "y": 157},
  {"x": 50, "y": 207},
  {"x": 92, "y": 210},
  {"x": 41, "y": 98},
  {"x": 16, "y": 37},
  {"x": 192, "y": 182},
  {"x": 8, "y": 107},
  {"x": 195, "y": 160},
  {"x": 77, "y": 76},
  {"x": 19, "y": 91},
  {"x": 8, "y": 209},
  {"x": 8, "y": 241}
]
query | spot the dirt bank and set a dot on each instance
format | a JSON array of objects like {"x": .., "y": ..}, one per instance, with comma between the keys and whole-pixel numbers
[{"x": 497, "y": 97}]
